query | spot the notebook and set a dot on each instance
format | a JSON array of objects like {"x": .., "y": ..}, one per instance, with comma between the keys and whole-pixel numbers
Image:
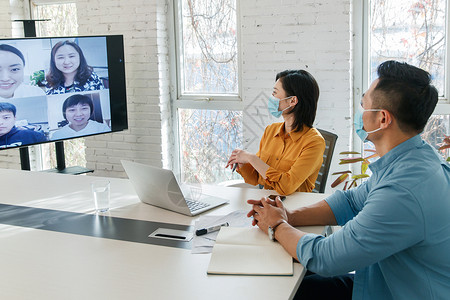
[
  {"x": 159, "y": 187},
  {"x": 248, "y": 251}
]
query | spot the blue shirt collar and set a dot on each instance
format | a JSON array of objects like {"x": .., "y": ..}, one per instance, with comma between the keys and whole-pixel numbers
[{"x": 399, "y": 150}]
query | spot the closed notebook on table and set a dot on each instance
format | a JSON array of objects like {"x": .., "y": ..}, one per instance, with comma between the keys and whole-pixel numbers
[{"x": 248, "y": 251}]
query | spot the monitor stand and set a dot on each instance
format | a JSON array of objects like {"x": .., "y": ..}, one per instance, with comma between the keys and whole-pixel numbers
[
  {"x": 75, "y": 170},
  {"x": 60, "y": 162},
  {"x": 25, "y": 159}
]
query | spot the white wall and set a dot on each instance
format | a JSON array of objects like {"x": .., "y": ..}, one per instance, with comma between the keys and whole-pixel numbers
[
  {"x": 275, "y": 35},
  {"x": 18, "y": 12},
  {"x": 138, "y": 21},
  {"x": 5, "y": 16},
  {"x": 297, "y": 34}
]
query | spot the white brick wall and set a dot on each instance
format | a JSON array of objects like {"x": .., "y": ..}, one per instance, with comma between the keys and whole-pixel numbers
[
  {"x": 275, "y": 35},
  {"x": 301, "y": 34},
  {"x": 143, "y": 25},
  {"x": 5, "y": 16},
  {"x": 17, "y": 13}
]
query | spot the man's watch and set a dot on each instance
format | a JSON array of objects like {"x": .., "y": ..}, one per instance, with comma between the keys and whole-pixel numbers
[{"x": 272, "y": 229}]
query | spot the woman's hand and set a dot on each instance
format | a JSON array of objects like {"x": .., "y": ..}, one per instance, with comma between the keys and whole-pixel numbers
[
  {"x": 267, "y": 212},
  {"x": 238, "y": 156}
]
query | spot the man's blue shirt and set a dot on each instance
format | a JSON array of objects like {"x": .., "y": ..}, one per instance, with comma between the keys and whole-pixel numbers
[{"x": 396, "y": 228}]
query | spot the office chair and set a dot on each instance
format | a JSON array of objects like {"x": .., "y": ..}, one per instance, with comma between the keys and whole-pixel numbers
[{"x": 330, "y": 143}]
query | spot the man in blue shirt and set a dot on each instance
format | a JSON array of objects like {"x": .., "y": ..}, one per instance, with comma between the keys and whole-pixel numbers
[{"x": 396, "y": 225}]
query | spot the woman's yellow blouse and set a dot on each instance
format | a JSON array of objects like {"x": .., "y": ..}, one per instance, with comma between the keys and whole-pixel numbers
[{"x": 294, "y": 160}]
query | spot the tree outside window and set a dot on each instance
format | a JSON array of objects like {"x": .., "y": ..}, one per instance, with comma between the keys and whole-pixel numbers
[
  {"x": 413, "y": 32},
  {"x": 209, "y": 47},
  {"x": 207, "y": 69}
]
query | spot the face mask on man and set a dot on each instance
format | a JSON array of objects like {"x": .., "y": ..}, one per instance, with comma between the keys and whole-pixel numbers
[
  {"x": 273, "y": 105},
  {"x": 358, "y": 122}
]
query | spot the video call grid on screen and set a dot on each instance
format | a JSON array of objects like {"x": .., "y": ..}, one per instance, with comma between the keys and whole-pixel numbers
[{"x": 25, "y": 65}]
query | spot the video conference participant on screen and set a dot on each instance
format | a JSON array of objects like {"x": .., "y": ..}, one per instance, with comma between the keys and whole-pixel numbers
[
  {"x": 12, "y": 63},
  {"x": 77, "y": 110},
  {"x": 69, "y": 71},
  {"x": 10, "y": 135}
]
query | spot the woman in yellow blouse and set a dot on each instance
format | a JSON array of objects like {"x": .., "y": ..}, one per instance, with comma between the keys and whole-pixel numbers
[{"x": 290, "y": 153}]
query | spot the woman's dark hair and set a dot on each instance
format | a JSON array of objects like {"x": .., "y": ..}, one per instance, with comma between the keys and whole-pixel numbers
[
  {"x": 77, "y": 99},
  {"x": 407, "y": 93},
  {"x": 5, "y": 47},
  {"x": 55, "y": 77},
  {"x": 302, "y": 84}
]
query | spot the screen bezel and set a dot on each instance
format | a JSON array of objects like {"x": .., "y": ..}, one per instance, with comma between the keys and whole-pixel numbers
[{"x": 117, "y": 83}]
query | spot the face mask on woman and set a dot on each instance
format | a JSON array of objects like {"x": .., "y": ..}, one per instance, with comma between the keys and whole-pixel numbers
[{"x": 273, "y": 105}]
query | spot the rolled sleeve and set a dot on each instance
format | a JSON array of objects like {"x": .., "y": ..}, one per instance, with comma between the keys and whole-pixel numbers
[
  {"x": 249, "y": 174},
  {"x": 305, "y": 247},
  {"x": 347, "y": 204},
  {"x": 318, "y": 254},
  {"x": 341, "y": 207},
  {"x": 389, "y": 223},
  {"x": 283, "y": 182}
]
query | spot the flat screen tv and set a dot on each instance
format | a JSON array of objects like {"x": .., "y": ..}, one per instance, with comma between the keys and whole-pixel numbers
[{"x": 53, "y": 89}]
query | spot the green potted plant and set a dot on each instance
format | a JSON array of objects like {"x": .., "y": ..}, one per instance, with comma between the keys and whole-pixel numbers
[
  {"x": 38, "y": 78},
  {"x": 344, "y": 175},
  {"x": 445, "y": 144},
  {"x": 352, "y": 181}
]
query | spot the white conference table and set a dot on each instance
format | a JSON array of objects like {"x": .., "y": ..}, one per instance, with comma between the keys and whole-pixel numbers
[{"x": 42, "y": 264}]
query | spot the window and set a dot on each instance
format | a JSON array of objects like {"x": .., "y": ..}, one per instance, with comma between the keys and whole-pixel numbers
[
  {"x": 208, "y": 108},
  {"x": 437, "y": 127},
  {"x": 207, "y": 138},
  {"x": 414, "y": 32},
  {"x": 62, "y": 19},
  {"x": 208, "y": 47},
  {"x": 62, "y": 22},
  {"x": 410, "y": 31}
]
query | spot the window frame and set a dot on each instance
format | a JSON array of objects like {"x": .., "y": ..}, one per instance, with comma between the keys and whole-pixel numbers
[
  {"x": 29, "y": 5},
  {"x": 361, "y": 68},
  {"x": 194, "y": 101},
  {"x": 179, "y": 76}
]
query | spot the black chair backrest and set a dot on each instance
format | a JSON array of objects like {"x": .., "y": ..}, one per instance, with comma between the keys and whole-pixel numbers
[{"x": 330, "y": 143}]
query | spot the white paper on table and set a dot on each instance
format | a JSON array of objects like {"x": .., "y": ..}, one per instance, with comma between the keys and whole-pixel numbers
[{"x": 205, "y": 243}]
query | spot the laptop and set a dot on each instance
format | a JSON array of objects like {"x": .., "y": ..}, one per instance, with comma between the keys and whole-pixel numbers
[{"x": 159, "y": 187}]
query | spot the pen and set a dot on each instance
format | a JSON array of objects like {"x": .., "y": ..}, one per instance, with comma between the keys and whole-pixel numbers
[
  {"x": 210, "y": 229},
  {"x": 234, "y": 167}
]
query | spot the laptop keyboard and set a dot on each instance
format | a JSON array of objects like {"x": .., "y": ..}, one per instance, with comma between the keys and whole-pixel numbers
[{"x": 195, "y": 205}]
